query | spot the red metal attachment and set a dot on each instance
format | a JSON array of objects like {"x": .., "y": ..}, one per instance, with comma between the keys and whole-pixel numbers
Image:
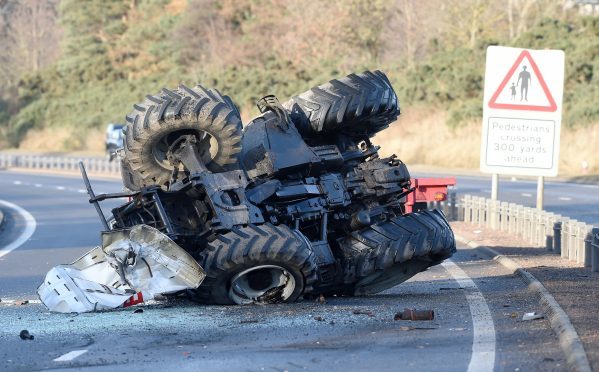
[{"x": 428, "y": 190}]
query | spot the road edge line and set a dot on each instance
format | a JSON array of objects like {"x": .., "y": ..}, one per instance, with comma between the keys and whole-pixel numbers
[
  {"x": 484, "y": 349},
  {"x": 1, "y": 217},
  {"x": 30, "y": 226},
  {"x": 558, "y": 319}
]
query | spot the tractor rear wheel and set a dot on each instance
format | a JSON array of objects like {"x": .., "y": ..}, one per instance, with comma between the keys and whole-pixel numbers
[
  {"x": 155, "y": 125},
  {"x": 386, "y": 254},
  {"x": 358, "y": 104}
]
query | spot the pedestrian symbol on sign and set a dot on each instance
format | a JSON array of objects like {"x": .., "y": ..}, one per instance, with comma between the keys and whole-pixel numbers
[
  {"x": 525, "y": 77},
  {"x": 530, "y": 99}
]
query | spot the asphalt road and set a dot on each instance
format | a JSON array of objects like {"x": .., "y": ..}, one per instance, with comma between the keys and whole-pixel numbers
[
  {"x": 478, "y": 306},
  {"x": 572, "y": 200}
]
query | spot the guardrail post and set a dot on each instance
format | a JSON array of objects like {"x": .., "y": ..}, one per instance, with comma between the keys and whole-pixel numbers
[
  {"x": 453, "y": 208},
  {"x": 544, "y": 219},
  {"x": 504, "y": 213},
  {"x": 467, "y": 207},
  {"x": 496, "y": 213},
  {"x": 511, "y": 223},
  {"x": 566, "y": 238},
  {"x": 475, "y": 210},
  {"x": 536, "y": 226},
  {"x": 581, "y": 233},
  {"x": 533, "y": 216},
  {"x": 557, "y": 237},
  {"x": 595, "y": 249},
  {"x": 588, "y": 248},
  {"x": 571, "y": 239},
  {"x": 518, "y": 219},
  {"x": 544, "y": 231},
  {"x": 488, "y": 212},
  {"x": 548, "y": 232},
  {"x": 527, "y": 224},
  {"x": 479, "y": 211}
]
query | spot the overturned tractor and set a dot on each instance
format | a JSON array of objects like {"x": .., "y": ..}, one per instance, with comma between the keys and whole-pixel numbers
[{"x": 295, "y": 203}]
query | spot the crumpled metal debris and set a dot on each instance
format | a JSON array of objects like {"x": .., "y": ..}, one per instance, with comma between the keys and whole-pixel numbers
[
  {"x": 413, "y": 314},
  {"x": 131, "y": 267}
]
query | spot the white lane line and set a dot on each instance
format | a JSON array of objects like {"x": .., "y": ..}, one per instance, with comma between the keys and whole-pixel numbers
[
  {"x": 17, "y": 182},
  {"x": 38, "y": 185},
  {"x": 526, "y": 194},
  {"x": 82, "y": 191},
  {"x": 60, "y": 187},
  {"x": 483, "y": 342},
  {"x": 70, "y": 355},
  {"x": 8, "y": 301},
  {"x": 566, "y": 198},
  {"x": 30, "y": 225}
]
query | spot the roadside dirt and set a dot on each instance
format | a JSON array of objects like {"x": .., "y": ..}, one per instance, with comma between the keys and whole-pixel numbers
[{"x": 574, "y": 287}]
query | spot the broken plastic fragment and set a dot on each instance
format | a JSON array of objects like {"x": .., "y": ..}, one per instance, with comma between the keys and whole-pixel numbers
[
  {"x": 532, "y": 316},
  {"x": 132, "y": 266}
]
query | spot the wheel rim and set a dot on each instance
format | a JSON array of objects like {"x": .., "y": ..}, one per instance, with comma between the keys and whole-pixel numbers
[
  {"x": 206, "y": 143},
  {"x": 262, "y": 284}
]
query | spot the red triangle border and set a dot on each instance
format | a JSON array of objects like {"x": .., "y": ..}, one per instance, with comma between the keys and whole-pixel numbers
[{"x": 552, "y": 105}]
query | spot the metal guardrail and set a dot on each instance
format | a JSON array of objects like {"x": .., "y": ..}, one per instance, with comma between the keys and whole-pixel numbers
[
  {"x": 567, "y": 237},
  {"x": 61, "y": 163}
]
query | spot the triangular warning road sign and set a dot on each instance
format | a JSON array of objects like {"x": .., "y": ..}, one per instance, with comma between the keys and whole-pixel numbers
[{"x": 520, "y": 105}]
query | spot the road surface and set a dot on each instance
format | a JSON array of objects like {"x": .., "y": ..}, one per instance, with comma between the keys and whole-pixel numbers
[{"x": 478, "y": 306}]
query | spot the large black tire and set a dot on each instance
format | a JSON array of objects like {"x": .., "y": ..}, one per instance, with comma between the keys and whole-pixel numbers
[
  {"x": 388, "y": 253},
  {"x": 362, "y": 104},
  {"x": 162, "y": 118},
  {"x": 251, "y": 246}
]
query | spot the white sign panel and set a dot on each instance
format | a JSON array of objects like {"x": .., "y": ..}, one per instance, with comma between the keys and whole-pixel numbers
[{"x": 522, "y": 111}]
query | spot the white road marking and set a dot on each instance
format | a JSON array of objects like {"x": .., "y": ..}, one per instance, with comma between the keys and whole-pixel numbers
[
  {"x": 17, "y": 182},
  {"x": 8, "y": 301},
  {"x": 566, "y": 198},
  {"x": 59, "y": 187},
  {"x": 70, "y": 355},
  {"x": 483, "y": 342},
  {"x": 82, "y": 191},
  {"x": 30, "y": 225},
  {"x": 526, "y": 194},
  {"x": 38, "y": 185}
]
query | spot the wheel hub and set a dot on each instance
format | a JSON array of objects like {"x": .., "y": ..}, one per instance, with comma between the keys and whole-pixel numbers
[
  {"x": 262, "y": 284},
  {"x": 206, "y": 143}
]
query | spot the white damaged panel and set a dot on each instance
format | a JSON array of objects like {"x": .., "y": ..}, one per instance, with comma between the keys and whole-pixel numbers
[{"x": 137, "y": 266}]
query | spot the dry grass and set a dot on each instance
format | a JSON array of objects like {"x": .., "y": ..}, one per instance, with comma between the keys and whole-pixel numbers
[
  {"x": 421, "y": 137},
  {"x": 48, "y": 139},
  {"x": 54, "y": 140}
]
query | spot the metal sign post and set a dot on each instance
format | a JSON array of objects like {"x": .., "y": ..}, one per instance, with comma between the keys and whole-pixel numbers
[
  {"x": 522, "y": 112},
  {"x": 494, "y": 186},
  {"x": 540, "y": 191}
]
